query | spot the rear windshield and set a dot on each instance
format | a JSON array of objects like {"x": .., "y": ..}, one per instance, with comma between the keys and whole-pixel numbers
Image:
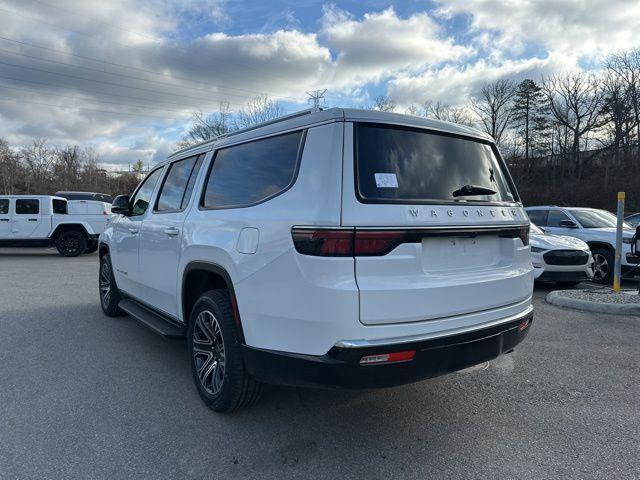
[{"x": 401, "y": 165}]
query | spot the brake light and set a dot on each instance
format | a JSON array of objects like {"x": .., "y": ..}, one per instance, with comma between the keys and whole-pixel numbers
[
  {"x": 523, "y": 233},
  {"x": 371, "y": 243},
  {"x": 328, "y": 242},
  {"x": 323, "y": 242},
  {"x": 394, "y": 357}
]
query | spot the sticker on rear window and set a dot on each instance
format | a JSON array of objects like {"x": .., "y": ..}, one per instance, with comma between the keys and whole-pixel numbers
[{"x": 386, "y": 180}]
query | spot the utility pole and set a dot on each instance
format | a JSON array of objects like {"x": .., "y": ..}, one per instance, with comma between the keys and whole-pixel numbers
[{"x": 316, "y": 97}]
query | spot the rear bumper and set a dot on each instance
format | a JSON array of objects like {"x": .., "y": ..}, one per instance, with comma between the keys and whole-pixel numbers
[{"x": 340, "y": 367}]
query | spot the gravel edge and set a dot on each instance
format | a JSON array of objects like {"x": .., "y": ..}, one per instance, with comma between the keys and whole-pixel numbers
[{"x": 555, "y": 298}]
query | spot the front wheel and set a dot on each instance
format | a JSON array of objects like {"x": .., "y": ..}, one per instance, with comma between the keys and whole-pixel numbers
[
  {"x": 602, "y": 265},
  {"x": 71, "y": 243},
  {"x": 216, "y": 357},
  {"x": 109, "y": 296}
]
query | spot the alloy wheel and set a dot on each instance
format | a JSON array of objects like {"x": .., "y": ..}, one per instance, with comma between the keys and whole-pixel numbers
[
  {"x": 70, "y": 245},
  {"x": 105, "y": 283},
  {"x": 600, "y": 267},
  {"x": 209, "y": 352}
]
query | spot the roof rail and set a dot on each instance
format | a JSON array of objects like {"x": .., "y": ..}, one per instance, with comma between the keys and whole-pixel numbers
[{"x": 290, "y": 116}]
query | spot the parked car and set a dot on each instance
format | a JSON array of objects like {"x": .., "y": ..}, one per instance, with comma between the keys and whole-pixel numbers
[
  {"x": 633, "y": 220},
  {"x": 335, "y": 248},
  {"x": 566, "y": 261},
  {"x": 100, "y": 197},
  {"x": 44, "y": 221},
  {"x": 595, "y": 227}
]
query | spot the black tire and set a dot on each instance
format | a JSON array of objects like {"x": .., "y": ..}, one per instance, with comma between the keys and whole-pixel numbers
[
  {"x": 107, "y": 288},
  {"x": 567, "y": 284},
  {"x": 602, "y": 265},
  {"x": 71, "y": 243},
  {"x": 214, "y": 342}
]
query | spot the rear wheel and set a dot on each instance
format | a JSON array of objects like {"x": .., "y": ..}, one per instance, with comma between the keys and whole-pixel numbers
[
  {"x": 109, "y": 296},
  {"x": 216, "y": 357},
  {"x": 71, "y": 243},
  {"x": 602, "y": 265}
]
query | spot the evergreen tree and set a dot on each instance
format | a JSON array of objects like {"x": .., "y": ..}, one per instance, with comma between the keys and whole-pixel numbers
[{"x": 528, "y": 113}]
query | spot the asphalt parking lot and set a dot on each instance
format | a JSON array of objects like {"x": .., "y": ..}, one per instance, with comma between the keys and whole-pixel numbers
[{"x": 86, "y": 396}]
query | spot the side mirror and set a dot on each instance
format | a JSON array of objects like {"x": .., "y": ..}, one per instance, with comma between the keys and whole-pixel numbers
[
  {"x": 568, "y": 224},
  {"x": 121, "y": 205}
]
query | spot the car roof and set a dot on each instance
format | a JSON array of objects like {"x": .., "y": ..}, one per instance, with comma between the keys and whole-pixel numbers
[
  {"x": 312, "y": 117},
  {"x": 33, "y": 196}
]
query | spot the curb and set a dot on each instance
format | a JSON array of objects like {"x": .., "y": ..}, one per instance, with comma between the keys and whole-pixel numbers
[{"x": 558, "y": 300}]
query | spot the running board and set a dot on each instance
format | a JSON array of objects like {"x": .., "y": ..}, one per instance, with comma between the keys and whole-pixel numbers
[{"x": 152, "y": 320}]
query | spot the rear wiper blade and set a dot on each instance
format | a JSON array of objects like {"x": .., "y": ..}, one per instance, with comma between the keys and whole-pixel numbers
[{"x": 468, "y": 190}]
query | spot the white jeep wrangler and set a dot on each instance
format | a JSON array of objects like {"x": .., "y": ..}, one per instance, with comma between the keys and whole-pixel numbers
[
  {"x": 72, "y": 226},
  {"x": 335, "y": 248}
]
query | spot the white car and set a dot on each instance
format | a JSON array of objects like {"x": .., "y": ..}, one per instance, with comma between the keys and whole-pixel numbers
[
  {"x": 72, "y": 226},
  {"x": 595, "y": 227},
  {"x": 336, "y": 248},
  {"x": 566, "y": 261}
]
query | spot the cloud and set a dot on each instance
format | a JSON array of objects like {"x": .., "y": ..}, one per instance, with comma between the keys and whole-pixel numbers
[
  {"x": 572, "y": 27},
  {"x": 382, "y": 43},
  {"x": 454, "y": 84},
  {"x": 126, "y": 76}
]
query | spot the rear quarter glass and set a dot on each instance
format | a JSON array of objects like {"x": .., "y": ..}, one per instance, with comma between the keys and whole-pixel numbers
[{"x": 408, "y": 165}]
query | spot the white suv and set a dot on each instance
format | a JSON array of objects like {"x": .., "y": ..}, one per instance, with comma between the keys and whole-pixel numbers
[
  {"x": 595, "y": 227},
  {"x": 339, "y": 248}
]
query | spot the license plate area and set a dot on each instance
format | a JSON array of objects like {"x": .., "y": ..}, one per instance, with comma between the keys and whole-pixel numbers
[{"x": 443, "y": 254}]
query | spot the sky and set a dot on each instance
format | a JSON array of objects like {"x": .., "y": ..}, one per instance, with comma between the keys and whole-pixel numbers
[{"x": 125, "y": 76}]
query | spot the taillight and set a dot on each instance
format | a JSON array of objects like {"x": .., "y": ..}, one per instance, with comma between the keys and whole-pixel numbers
[
  {"x": 323, "y": 242},
  {"x": 372, "y": 243},
  {"x": 328, "y": 242},
  {"x": 523, "y": 233}
]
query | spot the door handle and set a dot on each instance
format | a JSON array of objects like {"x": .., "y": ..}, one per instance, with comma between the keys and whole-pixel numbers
[
  {"x": 133, "y": 231},
  {"x": 4, "y": 219},
  {"x": 33, "y": 219},
  {"x": 172, "y": 231}
]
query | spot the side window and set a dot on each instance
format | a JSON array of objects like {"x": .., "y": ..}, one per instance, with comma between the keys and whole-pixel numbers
[
  {"x": 539, "y": 217},
  {"x": 4, "y": 206},
  {"x": 140, "y": 201},
  {"x": 27, "y": 206},
  {"x": 555, "y": 217},
  {"x": 178, "y": 184},
  {"x": 59, "y": 206},
  {"x": 192, "y": 181},
  {"x": 252, "y": 172}
]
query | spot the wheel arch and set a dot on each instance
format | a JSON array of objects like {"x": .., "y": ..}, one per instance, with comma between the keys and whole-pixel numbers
[
  {"x": 597, "y": 244},
  {"x": 199, "y": 277},
  {"x": 103, "y": 249},
  {"x": 65, "y": 227}
]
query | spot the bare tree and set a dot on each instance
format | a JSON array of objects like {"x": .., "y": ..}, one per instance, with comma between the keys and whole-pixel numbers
[
  {"x": 383, "y": 103},
  {"x": 38, "y": 159},
  {"x": 617, "y": 110},
  {"x": 447, "y": 113},
  {"x": 207, "y": 127},
  {"x": 258, "y": 109},
  {"x": 10, "y": 168},
  {"x": 626, "y": 66},
  {"x": 493, "y": 107},
  {"x": 575, "y": 102}
]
